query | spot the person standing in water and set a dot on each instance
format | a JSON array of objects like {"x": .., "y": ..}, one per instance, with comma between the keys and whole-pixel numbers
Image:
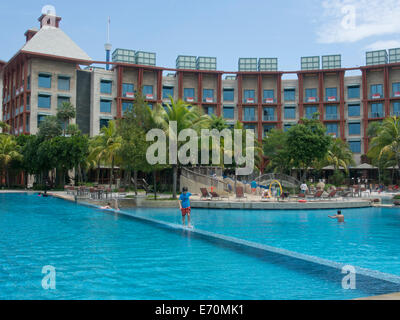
[
  {"x": 184, "y": 205},
  {"x": 339, "y": 216}
]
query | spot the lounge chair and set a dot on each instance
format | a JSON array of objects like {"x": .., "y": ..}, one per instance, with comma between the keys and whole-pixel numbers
[
  {"x": 204, "y": 194},
  {"x": 215, "y": 196},
  {"x": 332, "y": 194},
  {"x": 240, "y": 193},
  {"x": 317, "y": 195}
]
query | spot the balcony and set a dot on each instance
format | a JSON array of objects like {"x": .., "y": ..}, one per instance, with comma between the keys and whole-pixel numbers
[
  {"x": 208, "y": 100},
  {"x": 396, "y": 94},
  {"x": 189, "y": 99},
  {"x": 149, "y": 96},
  {"x": 395, "y": 113},
  {"x": 332, "y": 116},
  {"x": 249, "y": 100},
  {"x": 376, "y": 115},
  {"x": 311, "y": 99},
  {"x": 269, "y": 117},
  {"x": 269, "y": 100},
  {"x": 332, "y": 99},
  {"x": 130, "y": 95},
  {"x": 376, "y": 96}
]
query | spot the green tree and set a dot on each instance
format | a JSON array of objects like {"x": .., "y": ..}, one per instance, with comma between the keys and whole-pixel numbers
[
  {"x": 339, "y": 155},
  {"x": 65, "y": 112},
  {"x": 108, "y": 147},
  {"x": 185, "y": 117},
  {"x": 132, "y": 128},
  {"x": 49, "y": 128},
  {"x": 307, "y": 143},
  {"x": 386, "y": 140},
  {"x": 9, "y": 151},
  {"x": 275, "y": 149}
]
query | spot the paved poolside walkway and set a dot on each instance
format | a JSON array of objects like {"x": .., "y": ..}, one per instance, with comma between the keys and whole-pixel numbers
[{"x": 390, "y": 296}]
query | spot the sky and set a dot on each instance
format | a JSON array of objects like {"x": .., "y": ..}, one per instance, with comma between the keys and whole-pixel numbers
[{"x": 226, "y": 29}]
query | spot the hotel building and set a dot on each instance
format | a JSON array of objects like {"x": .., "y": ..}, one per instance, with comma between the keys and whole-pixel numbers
[{"x": 50, "y": 69}]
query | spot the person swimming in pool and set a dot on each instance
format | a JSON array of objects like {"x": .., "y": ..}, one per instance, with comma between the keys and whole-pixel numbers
[
  {"x": 184, "y": 205},
  {"x": 339, "y": 216},
  {"x": 107, "y": 206}
]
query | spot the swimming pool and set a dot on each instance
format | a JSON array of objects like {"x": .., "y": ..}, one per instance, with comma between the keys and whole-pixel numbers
[{"x": 102, "y": 255}]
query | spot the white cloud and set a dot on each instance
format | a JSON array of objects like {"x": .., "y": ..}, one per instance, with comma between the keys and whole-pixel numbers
[
  {"x": 381, "y": 45},
  {"x": 354, "y": 20}
]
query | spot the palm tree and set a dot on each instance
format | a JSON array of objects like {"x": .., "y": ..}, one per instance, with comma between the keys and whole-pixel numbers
[
  {"x": 106, "y": 147},
  {"x": 66, "y": 112},
  {"x": 339, "y": 155},
  {"x": 9, "y": 151},
  {"x": 386, "y": 141},
  {"x": 185, "y": 117}
]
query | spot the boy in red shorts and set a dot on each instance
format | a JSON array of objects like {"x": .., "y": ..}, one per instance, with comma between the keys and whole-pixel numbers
[{"x": 184, "y": 205}]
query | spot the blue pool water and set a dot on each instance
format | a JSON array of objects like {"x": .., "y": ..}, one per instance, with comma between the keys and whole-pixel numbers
[
  {"x": 369, "y": 237},
  {"x": 102, "y": 255}
]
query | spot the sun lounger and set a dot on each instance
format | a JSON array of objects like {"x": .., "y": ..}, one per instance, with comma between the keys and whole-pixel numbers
[
  {"x": 204, "y": 194},
  {"x": 240, "y": 193},
  {"x": 215, "y": 196}
]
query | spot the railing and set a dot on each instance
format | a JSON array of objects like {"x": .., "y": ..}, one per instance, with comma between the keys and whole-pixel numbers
[
  {"x": 269, "y": 118},
  {"x": 375, "y": 115},
  {"x": 205, "y": 180},
  {"x": 331, "y": 99},
  {"x": 376, "y": 96},
  {"x": 269, "y": 100},
  {"x": 395, "y": 113},
  {"x": 331, "y": 117},
  {"x": 311, "y": 99},
  {"x": 284, "y": 179}
]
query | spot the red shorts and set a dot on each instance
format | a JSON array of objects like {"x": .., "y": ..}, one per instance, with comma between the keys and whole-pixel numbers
[{"x": 185, "y": 211}]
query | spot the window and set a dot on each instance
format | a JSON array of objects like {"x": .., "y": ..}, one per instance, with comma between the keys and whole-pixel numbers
[
  {"x": 331, "y": 112},
  {"x": 44, "y": 81},
  {"x": 376, "y": 91},
  {"x": 249, "y": 96},
  {"x": 105, "y": 86},
  {"x": 377, "y": 110},
  {"x": 355, "y": 146},
  {"x": 289, "y": 94},
  {"x": 269, "y": 114},
  {"x": 331, "y": 94},
  {"x": 188, "y": 93},
  {"x": 209, "y": 110},
  {"x": 396, "y": 108},
  {"x": 41, "y": 118},
  {"x": 353, "y": 92},
  {"x": 311, "y": 93},
  {"x": 249, "y": 114},
  {"x": 104, "y": 123},
  {"x": 44, "y": 101},
  {"x": 268, "y": 94},
  {"x": 332, "y": 129},
  {"x": 354, "y": 128},
  {"x": 267, "y": 128},
  {"x": 63, "y": 83},
  {"x": 250, "y": 127},
  {"x": 229, "y": 94},
  {"x": 229, "y": 112},
  {"x": 28, "y": 85},
  {"x": 168, "y": 92},
  {"x": 126, "y": 106},
  {"x": 396, "y": 89},
  {"x": 208, "y": 95},
  {"x": 287, "y": 126},
  {"x": 128, "y": 88},
  {"x": 105, "y": 106},
  {"x": 310, "y": 111},
  {"x": 354, "y": 110},
  {"x": 61, "y": 100},
  {"x": 148, "y": 92},
  {"x": 290, "y": 112}
]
